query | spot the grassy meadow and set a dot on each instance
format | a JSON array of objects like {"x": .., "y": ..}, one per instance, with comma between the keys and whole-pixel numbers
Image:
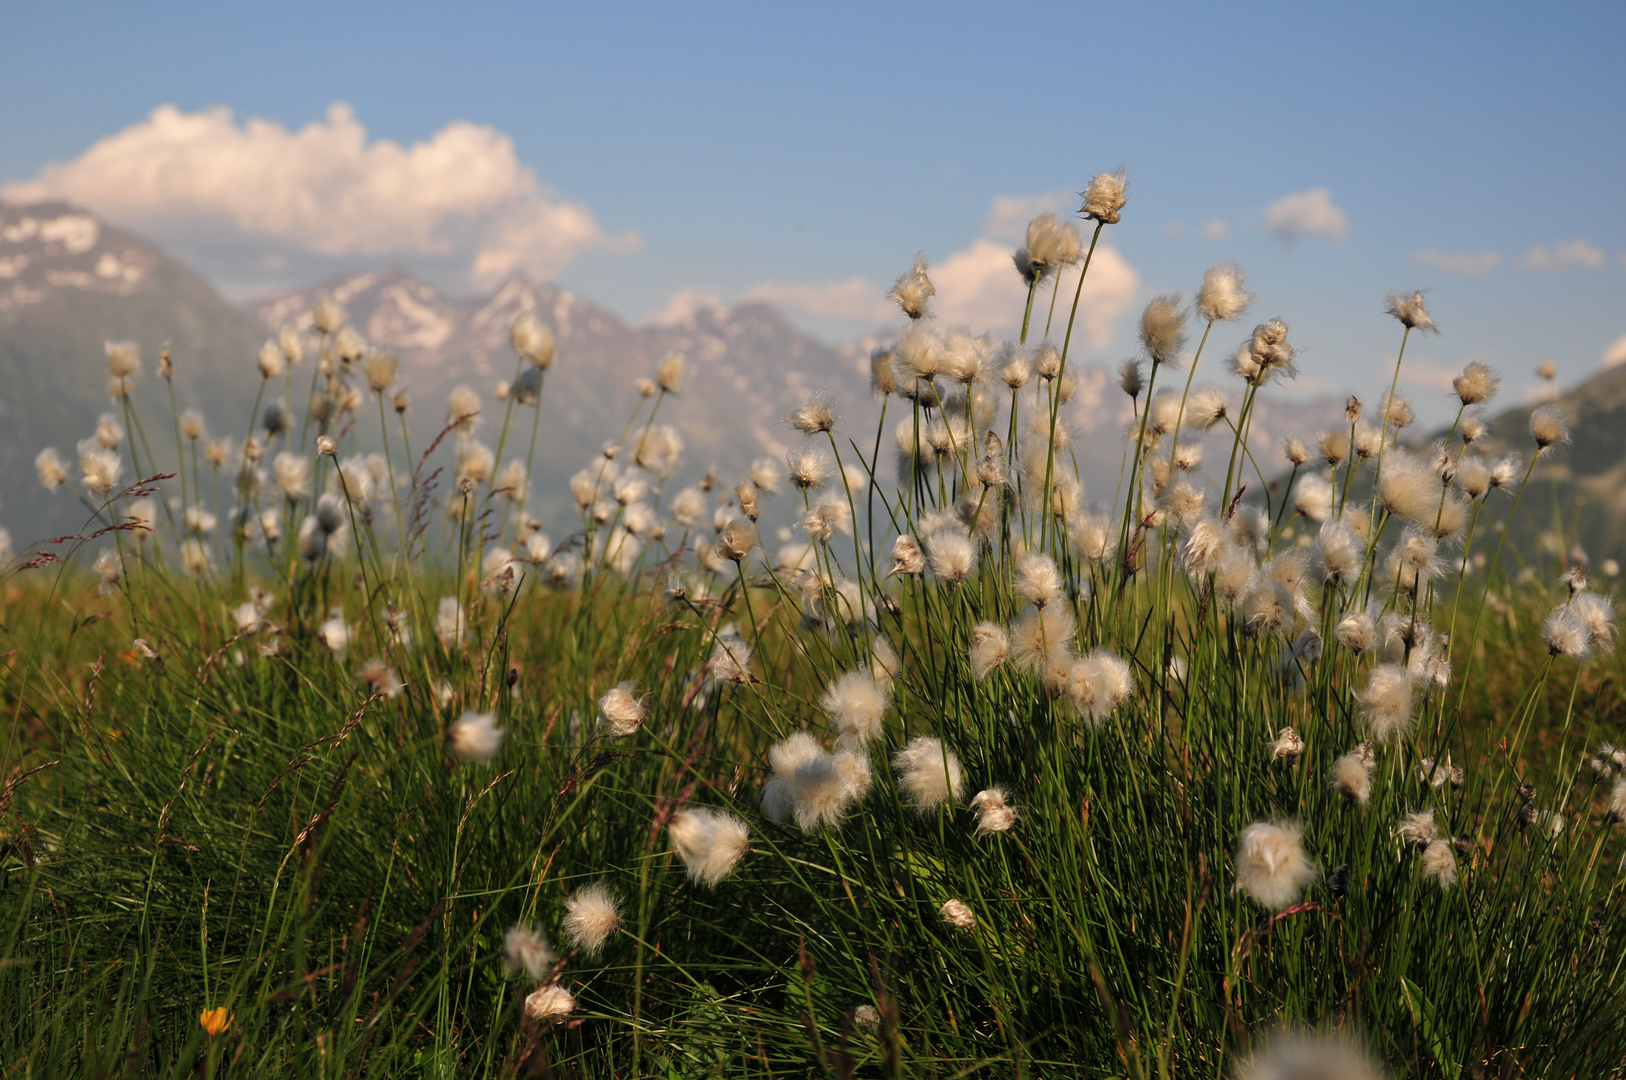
[{"x": 323, "y": 758}]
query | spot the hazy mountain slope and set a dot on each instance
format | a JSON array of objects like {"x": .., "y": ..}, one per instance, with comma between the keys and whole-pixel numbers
[
  {"x": 1582, "y": 486},
  {"x": 68, "y": 283},
  {"x": 748, "y": 368}
]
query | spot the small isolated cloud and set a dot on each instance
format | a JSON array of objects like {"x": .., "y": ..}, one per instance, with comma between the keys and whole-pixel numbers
[
  {"x": 855, "y": 299},
  {"x": 1306, "y": 213},
  {"x": 1460, "y": 262},
  {"x": 1174, "y": 228},
  {"x": 1615, "y": 355},
  {"x": 685, "y": 305},
  {"x": 255, "y": 195},
  {"x": 1576, "y": 252},
  {"x": 1214, "y": 229},
  {"x": 1009, "y": 215},
  {"x": 979, "y": 287}
]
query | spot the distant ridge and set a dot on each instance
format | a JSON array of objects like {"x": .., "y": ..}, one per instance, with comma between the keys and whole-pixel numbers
[{"x": 69, "y": 281}]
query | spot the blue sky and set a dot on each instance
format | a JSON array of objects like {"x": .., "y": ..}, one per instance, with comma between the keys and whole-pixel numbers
[{"x": 807, "y": 153}]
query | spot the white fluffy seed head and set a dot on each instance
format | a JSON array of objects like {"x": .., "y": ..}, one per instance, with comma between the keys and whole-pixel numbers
[
  {"x": 809, "y": 469},
  {"x": 1351, "y": 776},
  {"x": 731, "y": 657},
  {"x": 917, "y": 356},
  {"x": 929, "y": 774},
  {"x": 994, "y": 811},
  {"x": 123, "y": 359},
  {"x": 1096, "y": 684},
  {"x": 711, "y": 843},
  {"x": 1409, "y": 488},
  {"x": 52, "y": 473},
  {"x": 913, "y": 289},
  {"x": 463, "y": 409},
  {"x": 1386, "y": 702},
  {"x": 957, "y": 915},
  {"x": 1302, "y": 1055},
  {"x": 532, "y": 340},
  {"x": 1050, "y": 244},
  {"x": 1549, "y": 427},
  {"x": 1473, "y": 478},
  {"x": 1271, "y": 866},
  {"x": 550, "y": 1004},
  {"x": 1204, "y": 548},
  {"x": 621, "y": 712},
  {"x": 1162, "y": 329},
  {"x": 1164, "y": 414},
  {"x": 1036, "y": 578},
  {"x": 1409, "y": 309},
  {"x": 1287, "y": 744},
  {"x": 1235, "y": 575},
  {"x": 1312, "y": 497},
  {"x": 1416, "y": 828},
  {"x": 1597, "y": 614},
  {"x": 990, "y": 648},
  {"x": 1224, "y": 294},
  {"x": 1104, "y": 199},
  {"x": 1617, "y": 800},
  {"x": 856, "y": 704},
  {"x": 327, "y": 316},
  {"x": 475, "y": 737},
  {"x": 271, "y": 361},
  {"x": 1439, "y": 862},
  {"x": 1039, "y": 633},
  {"x": 1294, "y": 450},
  {"x": 1183, "y": 502},
  {"x": 1206, "y": 407},
  {"x": 524, "y": 948},
  {"x": 811, "y": 785},
  {"x": 951, "y": 553},
  {"x": 1334, "y": 445},
  {"x": 1566, "y": 634},
  {"x": 1476, "y": 384},
  {"x": 814, "y": 416},
  {"x": 591, "y": 916},
  {"x": 1340, "y": 551}
]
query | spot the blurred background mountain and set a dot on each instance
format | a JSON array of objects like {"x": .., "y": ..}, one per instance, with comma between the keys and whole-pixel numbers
[{"x": 69, "y": 282}]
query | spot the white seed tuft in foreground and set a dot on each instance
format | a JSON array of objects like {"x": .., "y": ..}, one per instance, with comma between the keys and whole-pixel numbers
[
  {"x": 711, "y": 843},
  {"x": 957, "y": 915},
  {"x": 475, "y": 737},
  {"x": 591, "y": 916},
  {"x": 929, "y": 774},
  {"x": 1271, "y": 866}
]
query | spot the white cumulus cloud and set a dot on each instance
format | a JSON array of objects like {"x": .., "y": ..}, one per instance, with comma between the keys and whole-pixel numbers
[
  {"x": 1460, "y": 263},
  {"x": 1214, "y": 229},
  {"x": 979, "y": 287},
  {"x": 1306, "y": 213},
  {"x": 256, "y": 194},
  {"x": 1577, "y": 252},
  {"x": 1615, "y": 355}
]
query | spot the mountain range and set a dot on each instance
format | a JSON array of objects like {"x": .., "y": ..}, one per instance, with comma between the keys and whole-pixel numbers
[{"x": 69, "y": 281}]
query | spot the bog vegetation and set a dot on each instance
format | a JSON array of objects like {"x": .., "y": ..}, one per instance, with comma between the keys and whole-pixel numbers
[{"x": 323, "y": 759}]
